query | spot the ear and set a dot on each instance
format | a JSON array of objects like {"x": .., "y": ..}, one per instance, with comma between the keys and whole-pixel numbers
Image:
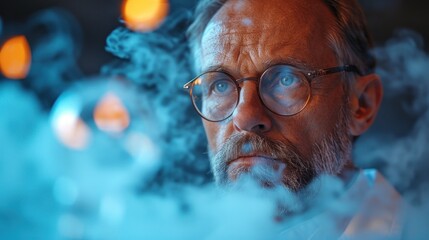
[{"x": 366, "y": 94}]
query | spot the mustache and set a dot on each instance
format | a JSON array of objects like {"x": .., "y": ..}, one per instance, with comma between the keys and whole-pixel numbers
[{"x": 250, "y": 144}]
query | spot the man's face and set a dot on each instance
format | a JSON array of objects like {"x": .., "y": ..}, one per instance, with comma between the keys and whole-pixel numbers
[{"x": 243, "y": 39}]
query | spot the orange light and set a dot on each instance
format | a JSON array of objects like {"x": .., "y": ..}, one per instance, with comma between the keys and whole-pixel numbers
[
  {"x": 110, "y": 115},
  {"x": 144, "y": 15},
  {"x": 15, "y": 58}
]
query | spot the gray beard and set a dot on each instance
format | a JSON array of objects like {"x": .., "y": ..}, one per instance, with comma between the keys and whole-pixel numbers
[{"x": 292, "y": 169}]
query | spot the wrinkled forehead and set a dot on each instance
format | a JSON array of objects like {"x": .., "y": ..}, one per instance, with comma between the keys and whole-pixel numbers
[
  {"x": 243, "y": 10},
  {"x": 238, "y": 16},
  {"x": 252, "y": 23}
]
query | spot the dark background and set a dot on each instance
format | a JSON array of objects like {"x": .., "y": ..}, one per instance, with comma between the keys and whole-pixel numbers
[{"x": 97, "y": 18}]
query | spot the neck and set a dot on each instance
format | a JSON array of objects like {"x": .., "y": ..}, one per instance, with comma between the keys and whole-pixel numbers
[{"x": 349, "y": 173}]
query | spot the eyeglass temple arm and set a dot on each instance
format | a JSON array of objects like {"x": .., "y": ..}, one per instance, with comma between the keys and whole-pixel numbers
[
  {"x": 345, "y": 68},
  {"x": 188, "y": 84}
]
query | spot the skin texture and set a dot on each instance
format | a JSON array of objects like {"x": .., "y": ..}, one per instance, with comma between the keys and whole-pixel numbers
[{"x": 246, "y": 37}]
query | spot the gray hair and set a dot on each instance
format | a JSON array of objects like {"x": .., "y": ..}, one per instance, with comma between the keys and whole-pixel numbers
[{"x": 349, "y": 37}]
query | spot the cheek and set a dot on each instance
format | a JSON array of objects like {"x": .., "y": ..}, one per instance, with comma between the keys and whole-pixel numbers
[
  {"x": 313, "y": 124},
  {"x": 325, "y": 113},
  {"x": 210, "y": 133},
  {"x": 299, "y": 130},
  {"x": 216, "y": 133}
]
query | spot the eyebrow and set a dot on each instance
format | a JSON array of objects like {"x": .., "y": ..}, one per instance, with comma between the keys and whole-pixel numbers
[
  {"x": 217, "y": 67},
  {"x": 286, "y": 61}
]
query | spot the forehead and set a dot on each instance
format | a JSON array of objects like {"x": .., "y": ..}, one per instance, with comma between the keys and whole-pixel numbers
[{"x": 265, "y": 30}]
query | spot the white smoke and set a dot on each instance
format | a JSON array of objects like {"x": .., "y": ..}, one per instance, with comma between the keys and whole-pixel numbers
[
  {"x": 399, "y": 148},
  {"x": 49, "y": 191}
]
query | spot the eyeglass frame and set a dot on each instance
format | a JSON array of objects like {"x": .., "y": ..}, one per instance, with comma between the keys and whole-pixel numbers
[{"x": 309, "y": 76}]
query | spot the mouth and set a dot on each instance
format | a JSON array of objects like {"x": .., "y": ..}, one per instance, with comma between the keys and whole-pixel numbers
[
  {"x": 246, "y": 163},
  {"x": 252, "y": 160}
]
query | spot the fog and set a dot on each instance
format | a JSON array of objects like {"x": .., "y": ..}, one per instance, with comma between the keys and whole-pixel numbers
[{"x": 144, "y": 173}]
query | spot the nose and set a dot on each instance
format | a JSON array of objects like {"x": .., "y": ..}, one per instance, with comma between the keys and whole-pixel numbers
[{"x": 250, "y": 114}]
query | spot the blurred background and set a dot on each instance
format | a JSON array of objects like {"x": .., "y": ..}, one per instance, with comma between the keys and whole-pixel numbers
[
  {"x": 97, "y": 18},
  {"x": 97, "y": 137}
]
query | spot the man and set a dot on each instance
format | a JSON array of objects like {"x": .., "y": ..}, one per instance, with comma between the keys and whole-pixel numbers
[{"x": 285, "y": 87}]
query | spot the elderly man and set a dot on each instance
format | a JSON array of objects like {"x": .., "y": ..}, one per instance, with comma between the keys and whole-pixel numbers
[{"x": 285, "y": 87}]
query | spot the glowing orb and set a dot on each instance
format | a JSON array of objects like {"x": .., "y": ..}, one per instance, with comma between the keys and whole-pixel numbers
[
  {"x": 70, "y": 129},
  {"x": 144, "y": 15},
  {"x": 95, "y": 109},
  {"x": 110, "y": 115},
  {"x": 15, "y": 58}
]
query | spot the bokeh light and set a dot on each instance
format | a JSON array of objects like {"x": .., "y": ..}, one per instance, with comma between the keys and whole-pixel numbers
[
  {"x": 144, "y": 15},
  {"x": 98, "y": 108},
  {"x": 69, "y": 128},
  {"x": 15, "y": 58},
  {"x": 110, "y": 115}
]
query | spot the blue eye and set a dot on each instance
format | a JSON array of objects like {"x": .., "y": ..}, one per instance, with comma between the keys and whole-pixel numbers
[
  {"x": 282, "y": 79},
  {"x": 222, "y": 86},
  {"x": 288, "y": 80}
]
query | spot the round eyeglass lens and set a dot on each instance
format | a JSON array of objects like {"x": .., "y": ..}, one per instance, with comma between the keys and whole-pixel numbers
[
  {"x": 214, "y": 95},
  {"x": 284, "y": 90}
]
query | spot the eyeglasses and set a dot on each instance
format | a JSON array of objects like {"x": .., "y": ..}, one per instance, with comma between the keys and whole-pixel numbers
[{"x": 283, "y": 89}]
